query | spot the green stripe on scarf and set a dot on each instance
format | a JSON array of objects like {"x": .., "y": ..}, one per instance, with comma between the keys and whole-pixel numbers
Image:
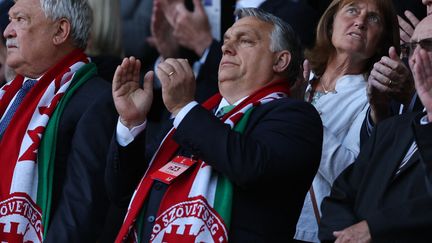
[
  {"x": 224, "y": 188},
  {"x": 47, "y": 149},
  {"x": 223, "y": 194}
]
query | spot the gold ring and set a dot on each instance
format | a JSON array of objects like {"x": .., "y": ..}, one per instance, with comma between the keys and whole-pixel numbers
[{"x": 171, "y": 73}]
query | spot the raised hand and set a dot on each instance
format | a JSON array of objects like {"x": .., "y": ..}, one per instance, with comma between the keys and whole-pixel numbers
[
  {"x": 162, "y": 31},
  {"x": 406, "y": 29},
  {"x": 299, "y": 87},
  {"x": 192, "y": 29},
  {"x": 389, "y": 79},
  {"x": 178, "y": 84},
  {"x": 421, "y": 66},
  {"x": 132, "y": 102}
]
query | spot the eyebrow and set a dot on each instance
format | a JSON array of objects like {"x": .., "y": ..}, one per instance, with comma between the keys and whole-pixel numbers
[{"x": 242, "y": 32}]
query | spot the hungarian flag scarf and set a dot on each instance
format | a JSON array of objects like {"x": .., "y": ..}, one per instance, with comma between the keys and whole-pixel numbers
[
  {"x": 196, "y": 206},
  {"x": 26, "y": 174}
]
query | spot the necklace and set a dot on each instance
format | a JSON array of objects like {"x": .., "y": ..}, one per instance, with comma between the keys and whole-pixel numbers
[{"x": 325, "y": 90}]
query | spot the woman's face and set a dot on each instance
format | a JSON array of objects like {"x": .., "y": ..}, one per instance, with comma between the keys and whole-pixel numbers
[{"x": 357, "y": 29}]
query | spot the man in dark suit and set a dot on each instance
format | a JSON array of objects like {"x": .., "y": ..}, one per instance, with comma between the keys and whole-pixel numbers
[
  {"x": 384, "y": 196},
  {"x": 54, "y": 132},
  {"x": 273, "y": 148}
]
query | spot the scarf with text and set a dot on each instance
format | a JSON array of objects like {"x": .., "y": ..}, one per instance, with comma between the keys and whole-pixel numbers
[
  {"x": 25, "y": 191},
  {"x": 195, "y": 207}
]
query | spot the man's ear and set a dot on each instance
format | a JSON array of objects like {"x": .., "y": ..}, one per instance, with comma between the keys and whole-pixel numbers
[
  {"x": 62, "y": 31},
  {"x": 282, "y": 60}
]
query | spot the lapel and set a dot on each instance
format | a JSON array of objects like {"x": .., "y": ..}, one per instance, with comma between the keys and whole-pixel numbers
[
  {"x": 412, "y": 161},
  {"x": 415, "y": 158},
  {"x": 396, "y": 153}
]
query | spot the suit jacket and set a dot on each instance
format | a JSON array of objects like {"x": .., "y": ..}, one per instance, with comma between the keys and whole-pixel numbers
[
  {"x": 79, "y": 202},
  {"x": 397, "y": 208},
  {"x": 271, "y": 165}
]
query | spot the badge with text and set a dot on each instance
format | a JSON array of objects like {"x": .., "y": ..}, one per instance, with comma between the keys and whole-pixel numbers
[{"x": 173, "y": 169}]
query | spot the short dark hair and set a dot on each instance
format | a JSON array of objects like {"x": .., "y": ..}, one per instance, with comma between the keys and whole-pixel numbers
[{"x": 282, "y": 38}]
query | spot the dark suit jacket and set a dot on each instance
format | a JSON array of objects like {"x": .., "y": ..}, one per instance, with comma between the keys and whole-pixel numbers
[
  {"x": 397, "y": 208},
  {"x": 271, "y": 165},
  {"x": 79, "y": 202}
]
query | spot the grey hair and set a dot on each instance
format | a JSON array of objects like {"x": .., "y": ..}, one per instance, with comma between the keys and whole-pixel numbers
[
  {"x": 282, "y": 38},
  {"x": 78, "y": 12}
]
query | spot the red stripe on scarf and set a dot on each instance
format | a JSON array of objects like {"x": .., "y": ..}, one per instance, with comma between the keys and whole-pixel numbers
[
  {"x": 12, "y": 138},
  {"x": 168, "y": 149}
]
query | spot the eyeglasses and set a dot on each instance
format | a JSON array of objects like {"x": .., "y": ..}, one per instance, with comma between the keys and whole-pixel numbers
[{"x": 408, "y": 48}]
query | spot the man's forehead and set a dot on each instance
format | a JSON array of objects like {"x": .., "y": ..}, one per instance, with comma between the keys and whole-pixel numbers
[{"x": 250, "y": 25}]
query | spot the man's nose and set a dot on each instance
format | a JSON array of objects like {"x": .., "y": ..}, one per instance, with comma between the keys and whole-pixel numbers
[
  {"x": 9, "y": 31},
  {"x": 227, "y": 48}
]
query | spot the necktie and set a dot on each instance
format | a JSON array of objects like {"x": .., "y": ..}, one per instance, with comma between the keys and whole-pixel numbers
[
  {"x": 225, "y": 109},
  {"x": 14, "y": 106}
]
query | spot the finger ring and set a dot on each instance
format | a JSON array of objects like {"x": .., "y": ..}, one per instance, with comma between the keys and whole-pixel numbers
[
  {"x": 171, "y": 73},
  {"x": 389, "y": 83}
]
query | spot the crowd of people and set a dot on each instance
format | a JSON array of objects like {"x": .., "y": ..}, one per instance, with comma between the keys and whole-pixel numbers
[{"x": 226, "y": 121}]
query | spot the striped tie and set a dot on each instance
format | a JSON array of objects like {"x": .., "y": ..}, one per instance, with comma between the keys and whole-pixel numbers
[{"x": 14, "y": 106}]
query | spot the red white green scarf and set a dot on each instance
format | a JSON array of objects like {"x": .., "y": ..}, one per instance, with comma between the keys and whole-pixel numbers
[
  {"x": 26, "y": 176},
  {"x": 197, "y": 207}
]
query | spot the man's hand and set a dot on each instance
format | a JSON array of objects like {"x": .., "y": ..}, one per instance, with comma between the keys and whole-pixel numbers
[
  {"x": 132, "y": 102},
  {"x": 178, "y": 84},
  {"x": 421, "y": 66},
  {"x": 162, "y": 31},
  {"x": 358, "y": 233},
  {"x": 192, "y": 29},
  {"x": 389, "y": 78},
  {"x": 299, "y": 87},
  {"x": 406, "y": 29}
]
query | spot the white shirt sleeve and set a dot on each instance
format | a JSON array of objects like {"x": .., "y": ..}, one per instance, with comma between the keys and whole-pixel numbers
[
  {"x": 125, "y": 136},
  {"x": 183, "y": 112}
]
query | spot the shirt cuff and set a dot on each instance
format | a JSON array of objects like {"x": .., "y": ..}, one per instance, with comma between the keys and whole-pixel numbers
[
  {"x": 126, "y": 136},
  {"x": 183, "y": 112}
]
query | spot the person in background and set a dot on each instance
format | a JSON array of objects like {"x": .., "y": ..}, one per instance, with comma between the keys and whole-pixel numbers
[
  {"x": 273, "y": 142},
  {"x": 105, "y": 43},
  {"x": 351, "y": 37},
  {"x": 54, "y": 134},
  {"x": 391, "y": 85},
  {"x": 6, "y": 73},
  {"x": 384, "y": 196}
]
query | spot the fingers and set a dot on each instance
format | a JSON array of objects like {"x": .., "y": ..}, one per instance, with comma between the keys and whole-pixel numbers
[
  {"x": 148, "y": 81},
  {"x": 405, "y": 30},
  {"x": 171, "y": 68},
  {"x": 306, "y": 70},
  {"x": 198, "y": 7},
  {"x": 127, "y": 71},
  {"x": 412, "y": 18},
  {"x": 393, "y": 54},
  {"x": 117, "y": 78},
  {"x": 422, "y": 67}
]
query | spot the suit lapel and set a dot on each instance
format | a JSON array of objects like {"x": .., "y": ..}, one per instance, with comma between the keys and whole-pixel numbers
[
  {"x": 413, "y": 160},
  {"x": 396, "y": 154}
]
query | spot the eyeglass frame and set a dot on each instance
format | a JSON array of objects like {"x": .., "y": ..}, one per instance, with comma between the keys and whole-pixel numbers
[{"x": 407, "y": 48}]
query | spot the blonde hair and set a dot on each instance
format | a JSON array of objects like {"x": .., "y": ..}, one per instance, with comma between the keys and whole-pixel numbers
[{"x": 105, "y": 36}]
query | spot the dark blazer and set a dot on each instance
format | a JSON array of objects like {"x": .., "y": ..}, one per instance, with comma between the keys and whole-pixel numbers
[
  {"x": 397, "y": 208},
  {"x": 271, "y": 165},
  {"x": 79, "y": 202}
]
